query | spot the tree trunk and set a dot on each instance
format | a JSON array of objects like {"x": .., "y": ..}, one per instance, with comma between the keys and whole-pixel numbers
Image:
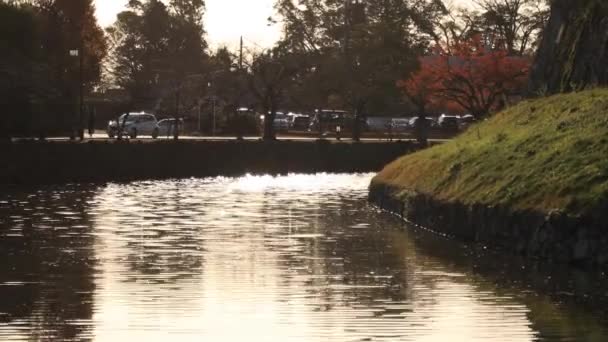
[
  {"x": 271, "y": 112},
  {"x": 421, "y": 129},
  {"x": 357, "y": 122},
  {"x": 4, "y": 131},
  {"x": 176, "y": 124},
  {"x": 574, "y": 51}
]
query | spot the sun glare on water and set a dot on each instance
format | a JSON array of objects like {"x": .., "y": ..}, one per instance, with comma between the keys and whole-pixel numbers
[{"x": 297, "y": 182}]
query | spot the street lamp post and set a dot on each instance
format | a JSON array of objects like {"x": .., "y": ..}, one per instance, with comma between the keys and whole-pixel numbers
[
  {"x": 78, "y": 53},
  {"x": 213, "y": 109}
]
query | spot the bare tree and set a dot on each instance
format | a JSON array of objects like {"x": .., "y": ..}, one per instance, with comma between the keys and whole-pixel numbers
[
  {"x": 514, "y": 25},
  {"x": 271, "y": 73}
]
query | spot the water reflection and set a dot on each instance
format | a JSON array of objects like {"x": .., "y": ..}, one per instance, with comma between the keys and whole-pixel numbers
[
  {"x": 47, "y": 269},
  {"x": 296, "y": 258}
]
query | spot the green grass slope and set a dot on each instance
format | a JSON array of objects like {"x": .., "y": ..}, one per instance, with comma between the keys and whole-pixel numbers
[{"x": 544, "y": 154}]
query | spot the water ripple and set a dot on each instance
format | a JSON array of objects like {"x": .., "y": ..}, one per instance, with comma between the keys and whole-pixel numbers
[{"x": 258, "y": 258}]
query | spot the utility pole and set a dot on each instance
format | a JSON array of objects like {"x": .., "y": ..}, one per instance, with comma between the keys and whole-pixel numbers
[
  {"x": 213, "y": 110},
  {"x": 241, "y": 55},
  {"x": 81, "y": 97},
  {"x": 198, "y": 108},
  {"x": 351, "y": 9},
  {"x": 176, "y": 124},
  {"x": 211, "y": 97}
]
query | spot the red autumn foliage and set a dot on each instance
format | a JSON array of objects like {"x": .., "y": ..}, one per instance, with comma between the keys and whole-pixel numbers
[
  {"x": 472, "y": 77},
  {"x": 422, "y": 89}
]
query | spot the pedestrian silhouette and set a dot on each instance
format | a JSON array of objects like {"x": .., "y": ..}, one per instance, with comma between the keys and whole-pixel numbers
[{"x": 91, "y": 123}]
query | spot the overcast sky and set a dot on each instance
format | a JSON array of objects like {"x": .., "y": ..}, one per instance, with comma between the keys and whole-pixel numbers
[{"x": 225, "y": 20}]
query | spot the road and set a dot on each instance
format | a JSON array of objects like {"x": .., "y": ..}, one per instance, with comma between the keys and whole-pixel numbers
[{"x": 102, "y": 136}]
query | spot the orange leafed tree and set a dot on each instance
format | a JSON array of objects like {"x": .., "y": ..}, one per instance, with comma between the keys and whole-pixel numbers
[
  {"x": 472, "y": 76},
  {"x": 422, "y": 88}
]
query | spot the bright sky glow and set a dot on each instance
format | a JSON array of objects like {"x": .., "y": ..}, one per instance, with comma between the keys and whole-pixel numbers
[{"x": 225, "y": 21}]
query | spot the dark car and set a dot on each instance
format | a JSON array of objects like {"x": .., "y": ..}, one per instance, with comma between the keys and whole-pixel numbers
[
  {"x": 449, "y": 122},
  {"x": 328, "y": 120},
  {"x": 301, "y": 123},
  {"x": 430, "y": 122},
  {"x": 466, "y": 121},
  {"x": 400, "y": 124},
  {"x": 166, "y": 127}
]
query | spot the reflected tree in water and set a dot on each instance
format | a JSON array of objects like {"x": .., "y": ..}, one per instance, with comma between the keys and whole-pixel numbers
[{"x": 46, "y": 277}]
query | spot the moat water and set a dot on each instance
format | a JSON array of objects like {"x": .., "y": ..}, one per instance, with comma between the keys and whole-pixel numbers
[{"x": 292, "y": 258}]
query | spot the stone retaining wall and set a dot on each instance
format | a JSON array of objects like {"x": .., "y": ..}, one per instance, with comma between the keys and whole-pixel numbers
[
  {"x": 60, "y": 162},
  {"x": 555, "y": 236}
]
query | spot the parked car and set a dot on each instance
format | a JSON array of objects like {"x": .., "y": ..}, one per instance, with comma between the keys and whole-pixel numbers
[
  {"x": 166, "y": 127},
  {"x": 291, "y": 118},
  {"x": 281, "y": 122},
  {"x": 400, "y": 124},
  {"x": 325, "y": 120},
  {"x": 466, "y": 121},
  {"x": 449, "y": 122},
  {"x": 133, "y": 125},
  {"x": 378, "y": 123},
  {"x": 244, "y": 121},
  {"x": 301, "y": 123},
  {"x": 430, "y": 122}
]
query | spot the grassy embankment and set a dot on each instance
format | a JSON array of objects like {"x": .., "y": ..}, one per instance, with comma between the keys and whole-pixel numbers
[{"x": 541, "y": 155}]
